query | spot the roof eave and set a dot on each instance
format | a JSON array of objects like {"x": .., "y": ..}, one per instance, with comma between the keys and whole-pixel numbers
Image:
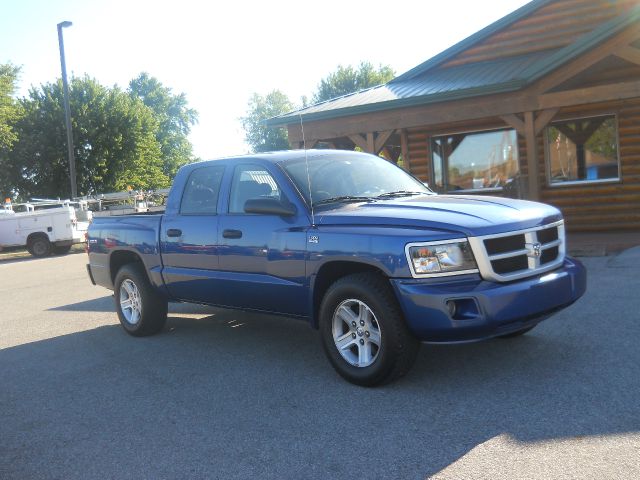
[{"x": 504, "y": 87}]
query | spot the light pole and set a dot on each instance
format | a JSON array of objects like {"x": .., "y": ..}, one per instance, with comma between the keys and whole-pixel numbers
[{"x": 67, "y": 110}]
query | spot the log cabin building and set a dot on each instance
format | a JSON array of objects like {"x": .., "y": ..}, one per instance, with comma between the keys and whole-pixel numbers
[{"x": 543, "y": 104}]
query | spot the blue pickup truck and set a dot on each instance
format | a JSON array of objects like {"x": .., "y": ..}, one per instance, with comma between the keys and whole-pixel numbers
[{"x": 347, "y": 241}]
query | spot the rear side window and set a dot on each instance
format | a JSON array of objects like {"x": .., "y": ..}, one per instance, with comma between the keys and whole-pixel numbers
[{"x": 200, "y": 195}]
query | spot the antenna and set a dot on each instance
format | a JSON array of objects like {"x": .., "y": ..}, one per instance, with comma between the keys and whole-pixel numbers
[{"x": 306, "y": 162}]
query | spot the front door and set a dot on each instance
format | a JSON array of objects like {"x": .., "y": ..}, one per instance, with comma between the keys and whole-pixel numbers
[{"x": 262, "y": 257}]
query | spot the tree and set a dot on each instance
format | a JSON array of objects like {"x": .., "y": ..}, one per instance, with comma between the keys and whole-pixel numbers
[
  {"x": 341, "y": 82},
  {"x": 9, "y": 107},
  {"x": 9, "y": 114},
  {"x": 260, "y": 137},
  {"x": 174, "y": 117},
  {"x": 347, "y": 80},
  {"x": 114, "y": 137}
]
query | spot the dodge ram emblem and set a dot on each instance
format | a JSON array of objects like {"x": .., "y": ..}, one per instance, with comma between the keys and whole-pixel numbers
[{"x": 534, "y": 250}]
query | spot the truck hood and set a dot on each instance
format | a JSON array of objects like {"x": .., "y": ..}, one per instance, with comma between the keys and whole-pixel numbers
[{"x": 471, "y": 215}]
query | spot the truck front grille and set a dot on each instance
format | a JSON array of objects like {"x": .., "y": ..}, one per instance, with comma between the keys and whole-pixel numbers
[{"x": 513, "y": 255}]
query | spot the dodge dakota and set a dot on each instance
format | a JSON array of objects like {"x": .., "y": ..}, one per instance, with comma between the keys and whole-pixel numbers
[{"x": 347, "y": 241}]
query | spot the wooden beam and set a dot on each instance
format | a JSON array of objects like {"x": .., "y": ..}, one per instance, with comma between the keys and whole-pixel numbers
[
  {"x": 630, "y": 54},
  {"x": 532, "y": 156},
  {"x": 359, "y": 140},
  {"x": 387, "y": 154},
  {"x": 604, "y": 93},
  {"x": 408, "y": 117},
  {"x": 514, "y": 122},
  {"x": 404, "y": 149},
  {"x": 543, "y": 119},
  {"x": 590, "y": 58},
  {"x": 371, "y": 144},
  {"x": 381, "y": 139}
]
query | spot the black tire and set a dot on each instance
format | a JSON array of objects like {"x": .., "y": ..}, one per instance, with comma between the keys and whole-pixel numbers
[
  {"x": 152, "y": 305},
  {"x": 517, "y": 333},
  {"x": 62, "y": 250},
  {"x": 39, "y": 246},
  {"x": 398, "y": 348}
]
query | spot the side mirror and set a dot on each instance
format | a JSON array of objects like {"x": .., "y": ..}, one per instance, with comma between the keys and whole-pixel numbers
[{"x": 269, "y": 206}]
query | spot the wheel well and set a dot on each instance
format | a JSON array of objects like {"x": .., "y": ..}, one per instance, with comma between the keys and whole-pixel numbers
[
  {"x": 119, "y": 259},
  {"x": 331, "y": 272}
]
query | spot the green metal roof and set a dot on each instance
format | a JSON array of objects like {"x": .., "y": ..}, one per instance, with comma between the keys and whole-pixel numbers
[{"x": 431, "y": 83}]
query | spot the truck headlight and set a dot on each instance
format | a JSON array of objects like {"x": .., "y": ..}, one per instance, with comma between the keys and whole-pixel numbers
[{"x": 448, "y": 257}]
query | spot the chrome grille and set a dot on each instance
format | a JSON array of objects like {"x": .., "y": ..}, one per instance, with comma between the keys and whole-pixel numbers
[{"x": 513, "y": 255}]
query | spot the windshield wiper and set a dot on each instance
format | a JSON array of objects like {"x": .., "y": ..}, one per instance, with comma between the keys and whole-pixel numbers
[
  {"x": 400, "y": 193},
  {"x": 344, "y": 198}
]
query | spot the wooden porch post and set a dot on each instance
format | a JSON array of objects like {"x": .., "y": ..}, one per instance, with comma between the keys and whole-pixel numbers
[
  {"x": 404, "y": 148},
  {"x": 532, "y": 156}
]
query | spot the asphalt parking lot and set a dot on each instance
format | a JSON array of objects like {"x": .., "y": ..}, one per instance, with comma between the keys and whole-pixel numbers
[{"x": 222, "y": 394}]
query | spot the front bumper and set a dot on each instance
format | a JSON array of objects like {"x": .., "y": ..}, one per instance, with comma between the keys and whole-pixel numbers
[{"x": 486, "y": 309}]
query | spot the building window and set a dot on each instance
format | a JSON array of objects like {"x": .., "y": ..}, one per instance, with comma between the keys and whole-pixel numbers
[
  {"x": 475, "y": 161},
  {"x": 582, "y": 150}
]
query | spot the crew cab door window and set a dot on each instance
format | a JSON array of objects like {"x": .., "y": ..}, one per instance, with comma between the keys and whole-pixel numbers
[
  {"x": 249, "y": 182},
  {"x": 200, "y": 195}
]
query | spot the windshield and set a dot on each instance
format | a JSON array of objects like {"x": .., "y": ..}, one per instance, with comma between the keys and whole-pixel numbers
[{"x": 351, "y": 177}]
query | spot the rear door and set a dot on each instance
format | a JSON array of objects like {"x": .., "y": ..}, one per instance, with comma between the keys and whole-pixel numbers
[
  {"x": 188, "y": 238},
  {"x": 262, "y": 256}
]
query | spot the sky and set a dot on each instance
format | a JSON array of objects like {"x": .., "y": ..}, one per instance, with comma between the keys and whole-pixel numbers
[{"x": 220, "y": 53}]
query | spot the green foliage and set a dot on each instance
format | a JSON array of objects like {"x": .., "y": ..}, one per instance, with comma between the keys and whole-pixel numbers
[
  {"x": 347, "y": 80},
  {"x": 114, "y": 136},
  {"x": 10, "y": 112},
  {"x": 260, "y": 137},
  {"x": 9, "y": 107},
  {"x": 174, "y": 118},
  {"x": 343, "y": 81}
]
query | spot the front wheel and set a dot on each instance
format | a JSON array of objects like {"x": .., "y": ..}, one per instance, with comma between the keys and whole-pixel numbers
[
  {"x": 142, "y": 311},
  {"x": 363, "y": 331}
]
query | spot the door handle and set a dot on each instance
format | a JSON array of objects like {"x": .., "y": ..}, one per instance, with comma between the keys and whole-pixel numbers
[
  {"x": 232, "y": 234},
  {"x": 174, "y": 232}
]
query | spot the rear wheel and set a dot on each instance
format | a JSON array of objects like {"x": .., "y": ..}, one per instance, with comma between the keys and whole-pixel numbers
[
  {"x": 39, "y": 246},
  {"x": 363, "y": 332},
  {"x": 142, "y": 311}
]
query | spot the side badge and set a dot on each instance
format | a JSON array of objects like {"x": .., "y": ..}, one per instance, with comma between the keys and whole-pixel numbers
[{"x": 313, "y": 239}]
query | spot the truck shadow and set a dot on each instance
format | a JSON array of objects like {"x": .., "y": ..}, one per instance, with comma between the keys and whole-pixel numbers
[{"x": 254, "y": 396}]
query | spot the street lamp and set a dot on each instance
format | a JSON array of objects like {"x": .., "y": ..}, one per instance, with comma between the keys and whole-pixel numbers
[{"x": 67, "y": 110}]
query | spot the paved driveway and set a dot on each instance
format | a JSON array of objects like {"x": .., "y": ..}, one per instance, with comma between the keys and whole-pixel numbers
[{"x": 227, "y": 395}]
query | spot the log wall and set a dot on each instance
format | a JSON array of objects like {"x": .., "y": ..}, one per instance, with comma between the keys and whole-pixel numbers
[
  {"x": 570, "y": 20},
  {"x": 589, "y": 207}
]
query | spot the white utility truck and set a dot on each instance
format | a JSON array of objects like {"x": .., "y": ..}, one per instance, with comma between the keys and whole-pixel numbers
[{"x": 44, "y": 226}]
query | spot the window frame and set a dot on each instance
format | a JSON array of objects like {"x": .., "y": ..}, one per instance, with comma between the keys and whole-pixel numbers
[
  {"x": 573, "y": 183},
  {"x": 431, "y": 138},
  {"x": 218, "y": 198}
]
